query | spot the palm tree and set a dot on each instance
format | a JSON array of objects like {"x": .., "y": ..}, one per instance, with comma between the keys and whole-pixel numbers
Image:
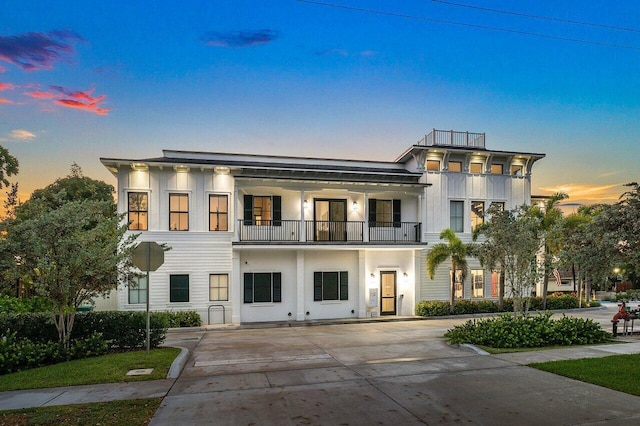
[
  {"x": 551, "y": 217},
  {"x": 455, "y": 250}
]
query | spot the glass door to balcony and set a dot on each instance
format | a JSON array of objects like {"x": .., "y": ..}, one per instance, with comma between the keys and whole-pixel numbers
[{"x": 330, "y": 219}]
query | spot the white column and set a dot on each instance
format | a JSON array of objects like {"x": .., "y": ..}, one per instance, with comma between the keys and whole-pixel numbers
[
  {"x": 236, "y": 288},
  {"x": 300, "y": 285},
  {"x": 303, "y": 227},
  {"x": 362, "y": 284},
  {"x": 423, "y": 214},
  {"x": 365, "y": 209}
]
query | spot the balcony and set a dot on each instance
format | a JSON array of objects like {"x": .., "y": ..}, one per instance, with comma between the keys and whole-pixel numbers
[
  {"x": 453, "y": 138},
  {"x": 329, "y": 232}
]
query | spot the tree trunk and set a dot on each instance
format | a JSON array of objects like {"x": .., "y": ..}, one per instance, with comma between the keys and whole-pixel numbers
[
  {"x": 545, "y": 288},
  {"x": 452, "y": 291},
  {"x": 573, "y": 271},
  {"x": 501, "y": 291}
]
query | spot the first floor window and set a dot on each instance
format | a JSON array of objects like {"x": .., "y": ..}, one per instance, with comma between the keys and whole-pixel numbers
[
  {"x": 138, "y": 211},
  {"x": 179, "y": 288},
  {"x": 262, "y": 287},
  {"x": 138, "y": 290},
  {"x": 218, "y": 287},
  {"x": 179, "y": 212},
  {"x": 477, "y": 283},
  {"x": 456, "y": 216},
  {"x": 477, "y": 214},
  {"x": 496, "y": 279},
  {"x": 330, "y": 286},
  {"x": 218, "y": 213},
  {"x": 498, "y": 206},
  {"x": 458, "y": 285}
]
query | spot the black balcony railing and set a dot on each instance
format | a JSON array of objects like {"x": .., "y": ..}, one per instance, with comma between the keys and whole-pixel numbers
[
  {"x": 269, "y": 230},
  {"x": 394, "y": 232},
  {"x": 334, "y": 230},
  {"x": 328, "y": 231}
]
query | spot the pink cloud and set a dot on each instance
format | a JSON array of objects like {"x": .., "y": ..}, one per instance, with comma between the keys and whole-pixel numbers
[
  {"x": 6, "y": 86},
  {"x": 73, "y": 99},
  {"x": 40, "y": 95},
  {"x": 5, "y": 101},
  {"x": 37, "y": 51}
]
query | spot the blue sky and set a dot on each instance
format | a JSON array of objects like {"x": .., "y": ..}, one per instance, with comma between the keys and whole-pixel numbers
[{"x": 81, "y": 80}]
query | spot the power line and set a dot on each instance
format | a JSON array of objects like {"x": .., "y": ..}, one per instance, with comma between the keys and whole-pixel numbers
[
  {"x": 464, "y": 24},
  {"x": 547, "y": 18}
]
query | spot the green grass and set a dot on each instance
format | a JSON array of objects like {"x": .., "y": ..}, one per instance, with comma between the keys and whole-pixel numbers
[
  {"x": 618, "y": 372},
  {"x": 110, "y": 368},
  {"x": 128, "y": 412}
]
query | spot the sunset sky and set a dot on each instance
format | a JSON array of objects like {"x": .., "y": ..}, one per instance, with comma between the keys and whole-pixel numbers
[{"x": 359, "y": 79}]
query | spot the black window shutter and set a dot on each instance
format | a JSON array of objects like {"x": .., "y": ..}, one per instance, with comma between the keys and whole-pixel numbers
[
  {"x": 277, "y": 210},
  {"x": 317, "y": 286},
  {"x": 344, "y": 285},
  {"x": 372, "y": 212},
  {"x": 248, "y": 210},
  {"x": 277, "y": 287},
  {"x": 396, "y": 214},
  {"x": 248, "y": 288}
]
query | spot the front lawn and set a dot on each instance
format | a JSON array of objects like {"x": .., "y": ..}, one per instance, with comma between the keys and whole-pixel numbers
[
  {"x": 617, "y": 372},
  {"x": 110, "y": 368},
  {"x": 128, "y": 412}
]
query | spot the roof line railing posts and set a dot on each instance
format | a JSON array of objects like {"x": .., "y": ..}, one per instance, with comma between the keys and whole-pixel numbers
[{"x": 453, "y": 138}]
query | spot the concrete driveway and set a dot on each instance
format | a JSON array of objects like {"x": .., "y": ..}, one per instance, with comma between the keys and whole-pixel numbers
[{"x": 393, "y": 373}]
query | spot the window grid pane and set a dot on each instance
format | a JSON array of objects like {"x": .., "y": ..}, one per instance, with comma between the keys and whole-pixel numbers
[
  {"x": 455, "y": 166},
  {"x": 179, "y": 212},
  {"x": 218, "y": 213},
  {"x": 497, "y": 169},
  {"x": 137, "y": 211},
  {"x": 138, "y": 290},
  {"x": 218, "y": 287},
  {"x": 477, "y": 214},
  {"x": 477, "y": 283},
  {"x": 457, "y": 216},
  {"x": 433, "y": 165}
]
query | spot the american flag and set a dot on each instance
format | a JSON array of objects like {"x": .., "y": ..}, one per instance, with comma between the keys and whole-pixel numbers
[{"x": 557, "y": 275}]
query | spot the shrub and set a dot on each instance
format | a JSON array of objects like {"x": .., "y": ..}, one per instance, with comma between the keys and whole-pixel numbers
[
  {"x": 432, "y": 308},
  {"x": 524, "y": 331},
  {"x": 18, "y": 354},
  {"x": 177, "y": 319},
  {"x": 562, "y": 301},
  {"x": 24, "y": 305}
]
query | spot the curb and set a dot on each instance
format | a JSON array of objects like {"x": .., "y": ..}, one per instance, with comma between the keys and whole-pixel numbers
[{"x": 178, "y": 364}]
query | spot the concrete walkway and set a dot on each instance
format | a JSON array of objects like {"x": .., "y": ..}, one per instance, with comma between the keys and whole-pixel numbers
[{"x": 361, "y": 373}]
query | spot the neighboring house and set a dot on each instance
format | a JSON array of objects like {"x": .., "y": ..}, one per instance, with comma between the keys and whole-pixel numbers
[{"x": 273, "y": 238}]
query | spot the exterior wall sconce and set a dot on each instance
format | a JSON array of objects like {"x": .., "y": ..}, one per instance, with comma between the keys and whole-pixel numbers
[
  {"x": 139, "y": 167},
  {"x": 222, "y": 170},
  {"x": 405, "y": 275},
  {"x": 306, "y": 204},
  {"x": 181, "y": 169},
  {"x": 373, "y": 275},
  {"x": 355, "y": 206}
]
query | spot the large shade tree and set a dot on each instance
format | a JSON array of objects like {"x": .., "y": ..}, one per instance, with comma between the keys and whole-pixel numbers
[
  {"x": 8, "y": 166},
  {"x": 456, "y": 252},
  {"x": 511, "y": 245},
  {"x": 70, "y": 244}
]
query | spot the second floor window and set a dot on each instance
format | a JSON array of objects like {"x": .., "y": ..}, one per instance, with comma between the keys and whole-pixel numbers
[
  {"x": 497, "y": 169},
  {"x": 138, "y": 211},
  {"x": 178, "y": 212},
  {"x": 218, "y": 213},
  {"x": 262, "y": 210},
  {"x": 456, "y": 216},
  {"x": 477, "y": 214},
  {"x": 475, "y": 168},
  {"x": 384, "y": 213}
]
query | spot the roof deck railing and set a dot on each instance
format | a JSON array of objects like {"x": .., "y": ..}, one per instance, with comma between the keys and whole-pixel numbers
[{"x": 453, "y": 138}]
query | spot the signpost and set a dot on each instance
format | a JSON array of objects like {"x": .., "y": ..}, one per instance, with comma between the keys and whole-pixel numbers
[{"x": 148, "y": 256}]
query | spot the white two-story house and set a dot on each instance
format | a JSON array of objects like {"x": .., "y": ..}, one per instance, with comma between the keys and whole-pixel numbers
[{"x": 275, "y": 238}]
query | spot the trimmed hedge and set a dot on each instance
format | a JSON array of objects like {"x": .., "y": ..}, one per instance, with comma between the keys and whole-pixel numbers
[
  {"x": 527, "y": 331},
  {"x": 18, "y": 354},
  {"x": 121, "y": 329},
  {"x": 434, "y": 308}
]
